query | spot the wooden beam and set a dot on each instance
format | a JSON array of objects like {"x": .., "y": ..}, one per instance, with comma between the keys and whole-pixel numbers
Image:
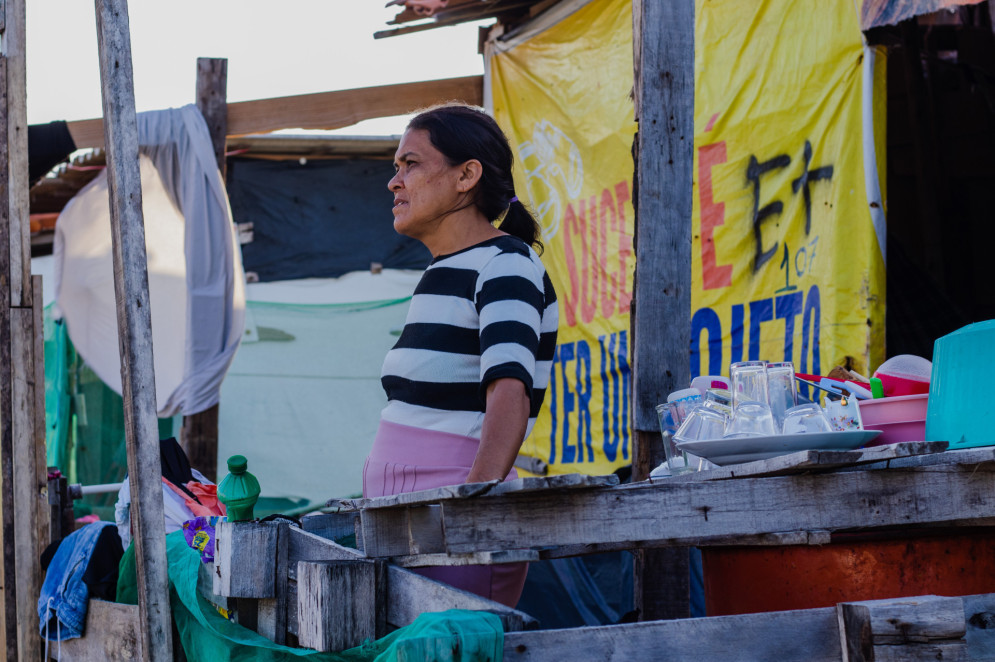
[
  {"x": 131, "y": 288},
  {"x": 336, "y": 604},
  {"x": 663, "y": 150},
  {"x": 789, "y": 636},
  {"x": 112, "y": 634},
  {"x": 8, "y": 578},
  {"x": 17, "y": 153},
  {"x": 27, "y": 490},
  {"x": 700, "y": 513},
  {"x": 212, "y": 101},
  {"x": 324, "y": 110}
]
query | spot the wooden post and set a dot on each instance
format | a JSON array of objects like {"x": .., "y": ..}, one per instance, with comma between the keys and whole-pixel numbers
[
  {"x": 212, "y": 100},
  {"x": 336, "y": 603},
  {"x": 663, "y": 39},
  {"x": 199, "y": 435},
  {"x": 131, "y": 290},
  {"x": 7, "y": 577}
]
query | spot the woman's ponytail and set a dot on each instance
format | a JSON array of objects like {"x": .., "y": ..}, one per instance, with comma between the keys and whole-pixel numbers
[{"x": 518, "y": 222}]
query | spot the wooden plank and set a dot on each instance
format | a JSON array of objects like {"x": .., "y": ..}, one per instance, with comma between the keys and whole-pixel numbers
[
  {"x": 325, "y": 110},
  {"x": 664, "y": 97},
  {"x": 919, "y": 619},
  {"x": 477, "y": 558},
  {"x": 43, "y": 523},
  {"x": 336, "y": 604},
  {"x": 134, "y": 327},
  {"x": 408, "y": 594},
  {"x": 953, "y": 651},
  {"x": 471, "y": 490},
  {"x": 979, "y": 613},
  {"x": 199, "y": 440},
  {"x": 812, "y": 461},
  {"x": 332, "y": 526},
  {"x": 27, "y": 488},
  {"x": 280, "y": 593},
  {"x": 212, "y": 101},
  {"x": 8, "y": 580},
  {"x": 112, "y": 634},
  {"x": 421, "y": 497},
  {"x": 18, "y": 200},
  {"x": 696, "y": 513},
  {"x": 854, "y": 622},
  {"x": 245, "y": 560},
  {"x": 788, "y": 636}
]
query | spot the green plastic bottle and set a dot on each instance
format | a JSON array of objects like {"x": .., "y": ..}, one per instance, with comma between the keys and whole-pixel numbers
[{"x": 239, "y": 490}]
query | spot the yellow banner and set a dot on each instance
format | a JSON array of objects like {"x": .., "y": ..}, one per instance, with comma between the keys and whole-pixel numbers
[
  {"x": 563, "y": 99},
  {"x": 785, "y": 260}
]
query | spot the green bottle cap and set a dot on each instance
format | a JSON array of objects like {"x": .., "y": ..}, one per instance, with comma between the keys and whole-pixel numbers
[
  {"x": 877, "y": 388},
  {"x": 237, "y": 464}
]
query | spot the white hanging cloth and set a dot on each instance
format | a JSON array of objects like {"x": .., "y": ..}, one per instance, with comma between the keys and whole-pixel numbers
[{"x": 196, "y": 281}]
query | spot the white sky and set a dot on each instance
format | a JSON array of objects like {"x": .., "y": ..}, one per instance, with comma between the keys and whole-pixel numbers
[{"x": 274, "y": 48}]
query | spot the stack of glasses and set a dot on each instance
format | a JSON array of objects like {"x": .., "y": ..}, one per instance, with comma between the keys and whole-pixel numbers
[{"x": 762, "y": 401}]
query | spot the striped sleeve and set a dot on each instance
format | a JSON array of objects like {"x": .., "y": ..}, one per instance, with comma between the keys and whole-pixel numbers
[{"x": 510, "y": 302}]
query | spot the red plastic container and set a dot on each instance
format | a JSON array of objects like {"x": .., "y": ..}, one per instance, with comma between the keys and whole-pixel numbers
[{"x": 901, "y": 418}]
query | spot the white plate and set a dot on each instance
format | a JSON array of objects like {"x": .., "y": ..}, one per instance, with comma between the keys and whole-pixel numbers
[{"x": 749, "y": 449}]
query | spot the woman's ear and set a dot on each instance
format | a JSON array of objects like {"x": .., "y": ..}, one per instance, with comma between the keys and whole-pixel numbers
[{"x": 469, "y": 174}]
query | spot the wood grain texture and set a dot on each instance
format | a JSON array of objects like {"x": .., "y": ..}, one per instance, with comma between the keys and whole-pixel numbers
[
  {"x": 920, "y": 619},
  {"x": 697, "y": 513},
  {"x": 854, "y": 623},
  {"x": 812, "y": 461},
  {"x": 212, "y": 101},
  {"x": 336, "y": 603},
  {"x": 245, "y": 560},
  {"x": 27, "y": 491},
  {"x": 43, "y": 523},
  {"x": 325, "y": 110},
  {"x": 8, "y": 580},
  {"x": 134, "y": 326},
  {"x": 112, "y": 635},
  {"x": 664, "y": 89},
  {"x": 18, "y": 198},
  {"x": 790, "y": 636}
]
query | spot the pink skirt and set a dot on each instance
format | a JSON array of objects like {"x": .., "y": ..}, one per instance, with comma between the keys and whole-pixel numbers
[{"x": 408, "y": 459}]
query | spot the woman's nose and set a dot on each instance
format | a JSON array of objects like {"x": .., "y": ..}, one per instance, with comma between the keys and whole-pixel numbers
[{"x": 395, "y": 182}]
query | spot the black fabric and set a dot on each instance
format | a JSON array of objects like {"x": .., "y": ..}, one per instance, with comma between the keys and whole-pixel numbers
[
  {"x": 101, "y": 572},
  {"x": 320, "y": 219},
  {"x": 175, "y": 465},
  {"x": 48, "y": 145}
]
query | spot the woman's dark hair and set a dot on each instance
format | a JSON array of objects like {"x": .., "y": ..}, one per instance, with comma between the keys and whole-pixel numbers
[{"x": 462, "y": 133}]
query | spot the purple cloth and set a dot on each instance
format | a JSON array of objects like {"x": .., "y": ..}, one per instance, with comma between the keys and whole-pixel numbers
[{"x": 407, "y": 459}]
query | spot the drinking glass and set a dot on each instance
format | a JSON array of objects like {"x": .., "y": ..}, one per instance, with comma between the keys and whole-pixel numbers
[
  {"x": 806, "y": 418},
  {"x": 781, "y": 391},
  {"x": 749, "y": 382},
  {"x": 752, "y": 418},
  {"x": 671, "y": 415},
  {"x": 707, "y": 421}
]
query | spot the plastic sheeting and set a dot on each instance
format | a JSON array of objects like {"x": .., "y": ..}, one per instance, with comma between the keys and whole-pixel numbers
[
  {"x": 194, "y": 266},
  {"x": 318, "y": 219}
]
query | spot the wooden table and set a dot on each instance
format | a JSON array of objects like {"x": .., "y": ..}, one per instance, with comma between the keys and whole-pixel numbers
[{"x": 799, "y": 499}]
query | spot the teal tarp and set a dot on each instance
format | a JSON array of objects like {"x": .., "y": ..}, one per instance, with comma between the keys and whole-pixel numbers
[{"x": 450, "y": 636}]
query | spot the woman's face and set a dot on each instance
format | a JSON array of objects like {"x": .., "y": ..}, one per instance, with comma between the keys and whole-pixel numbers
[{"x": 425, "y": 186}]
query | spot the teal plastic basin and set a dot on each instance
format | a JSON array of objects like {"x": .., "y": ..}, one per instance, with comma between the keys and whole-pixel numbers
[{"x": 961, "y": 396}]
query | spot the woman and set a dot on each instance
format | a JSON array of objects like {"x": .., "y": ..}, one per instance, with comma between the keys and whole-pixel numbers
[{"x": 467, "y": 376}]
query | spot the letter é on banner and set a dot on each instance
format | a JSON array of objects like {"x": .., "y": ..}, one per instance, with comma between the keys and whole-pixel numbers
[{"x": 712, "y": 216}]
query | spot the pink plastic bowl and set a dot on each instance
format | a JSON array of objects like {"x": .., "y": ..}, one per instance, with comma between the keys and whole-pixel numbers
[{"x": 900, "y": 418}]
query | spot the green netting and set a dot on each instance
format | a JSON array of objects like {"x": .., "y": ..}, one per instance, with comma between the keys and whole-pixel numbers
[
  {"x": 84, "y": 435},
  {"x": 450, "y": 636}
]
